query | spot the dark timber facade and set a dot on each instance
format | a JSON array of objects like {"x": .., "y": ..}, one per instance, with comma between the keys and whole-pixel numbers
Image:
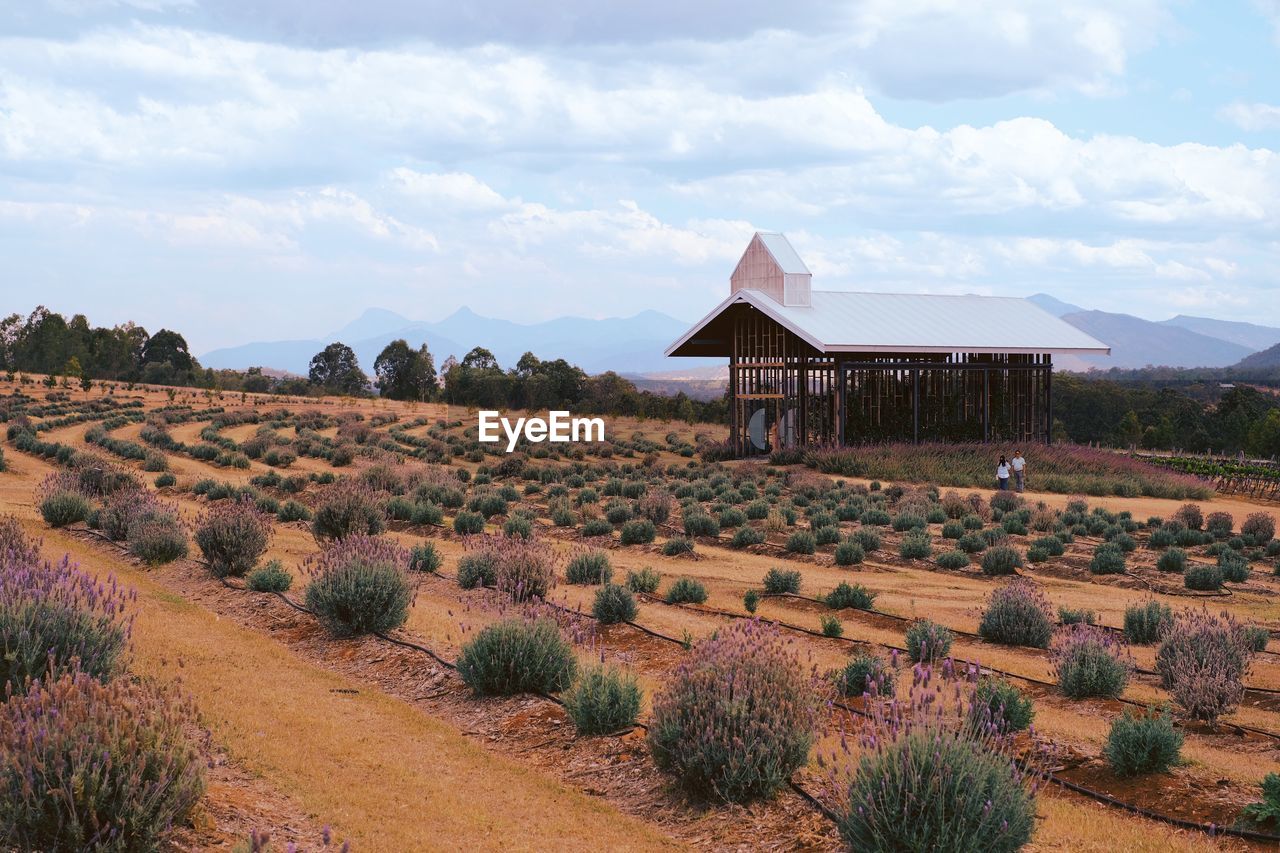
[{"x": 790, "y": 387}]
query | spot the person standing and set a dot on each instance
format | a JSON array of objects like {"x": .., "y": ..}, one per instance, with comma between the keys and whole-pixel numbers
[
  {"x": 1019, "y": 466},
  {"x": 1002, "y": 475}
]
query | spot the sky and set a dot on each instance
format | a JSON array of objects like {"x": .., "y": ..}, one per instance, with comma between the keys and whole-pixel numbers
[{"x": 255, "y": 170}]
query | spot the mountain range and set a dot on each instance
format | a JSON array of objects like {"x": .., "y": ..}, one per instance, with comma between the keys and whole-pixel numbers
[{"x": 634, "y": 345}]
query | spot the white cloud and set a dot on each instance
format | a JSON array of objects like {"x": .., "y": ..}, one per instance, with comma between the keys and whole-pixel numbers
[{"x": 1251, "y": 117}]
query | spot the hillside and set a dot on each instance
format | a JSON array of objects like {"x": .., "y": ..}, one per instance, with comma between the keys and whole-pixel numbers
[
  {"x": 1249, "y": 335},
  {"x": 1269, "y": 357},
  {"x": 1137, "y": 343}
]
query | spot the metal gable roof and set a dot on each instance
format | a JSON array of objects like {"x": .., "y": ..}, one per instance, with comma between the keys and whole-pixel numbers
[
  {"x": 783, "y": 254},
  {"x": 901, "y": 322}
]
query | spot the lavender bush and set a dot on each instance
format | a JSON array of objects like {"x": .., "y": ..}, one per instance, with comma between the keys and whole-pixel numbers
[
  {"x": 360, "y": 585},
  {"x": 55, "y": 617},
  {"x": 1018, "y": 614},
  {"x": 737, "y": 717},
  {"x": 1202, "y": 661},
  {"x": 1089, "y": 661},
  {"x": 92, "y": 766},
  {"x": 518, "y": 655},
  {"x": 348, "y": 508},
  {"x": 922, "y": 775},
  {"x": 232, "y": 536},
  {"x": 603, "y": 699}
]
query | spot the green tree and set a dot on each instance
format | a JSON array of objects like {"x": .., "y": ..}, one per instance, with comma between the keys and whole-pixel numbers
[
  {"x": 404, "y": 373},
  {"x": 166, "y": 347},
  {"x": 1130, "y": 429},
  {"x": 480, "y": 359},
  {"x": 336, "y": 369}
]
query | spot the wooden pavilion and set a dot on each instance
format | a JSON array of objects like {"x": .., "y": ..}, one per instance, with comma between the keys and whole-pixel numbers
[{"x": 810, "y": 367}]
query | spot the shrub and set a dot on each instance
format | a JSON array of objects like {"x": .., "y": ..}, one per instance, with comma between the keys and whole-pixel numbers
[
  {"x": 1161, "y": 538},
  {"x": 517, "y": 656},
  {"x": 271, "y": 577},
  {"x": 157, "y": 537},
  {"x": 55, "y": 617},
  {"x": 1219, "y": 524},
  {"x": 777, "y": 581},
  {"x": 1070, "y": 616},
  {"x": 348, "y": 509},
  {"x": 589, "y": 567},
  {"x": 928, "y": 641},
  {"x": 831, "y": 626},
  {"x": 751, "y": 600},
  {"x": 596, "y": 527},
  {"x": 1190, "y": 516},
  {"x": 849, "y": 553},
  {"x": 232, "y": 536},
  {"x": 971, "y": 543},
  {"x": 165, "y": 480},
  {"x": 1001, "y": 560},
  {"x": 865, "y": 673},
  {"x": 1088, "y": 661},
  {"x": 925, "y": 785},
  {"x": 1202, "y": 661},
  {"x": 916, "y": 545},
  {"x": 468, "y": 523},
  {"x": 62, "y": 507},
  {"x": 1202, "y": 578},
  {"x": 701, "y": 524},
  {"x": 292, "y": 510},
  {"x": 867, "y": 538},
  {"x": 1018, "y": 614},
  {"x": 638, "y": 532},
  {"x": 845, "y": 595},
  {"x": 1267, "y": 811},
  {"x": 802, "y": 542},
  {"x": 603, "y": 700},
  {"x": 1108, "y": 559},
  {"x": 425, "y": 558},
  {"x": 737, "y": 717},
  {"x": 1142, "y": 743},
  {"x": 614, "y": 604},
  {"x": 998, "y": 703},
  {"x": 676, "y": 546},
  {"x": 746, "y": 536},
  {"x": 1143, "y": 623},
  {"x": 646, "y": 581},
  {"x": 477, "y": 568},
  {"x": 953, "y": 560},
  {"x": 1260, "y": 525},
  {"x": 1234, "y": 567},
  {"x": 359, "y": 585},
  {"x": 518, "y": 527},
  {"x": 524, "y": 569},
  {"x": 1173, "y": 560},
  {"x": 115, "y": 767},
  {"x": 876, "y": 517},
  {"x": 1256, "y": 637},
  {"x": 685, "y": 591}
]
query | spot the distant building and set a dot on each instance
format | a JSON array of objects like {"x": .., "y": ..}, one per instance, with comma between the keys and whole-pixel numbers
[{"x": 813, "y": 367}]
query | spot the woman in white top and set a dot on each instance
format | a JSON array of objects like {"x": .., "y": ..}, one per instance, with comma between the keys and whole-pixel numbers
[{"x": 1002, "y": 475}]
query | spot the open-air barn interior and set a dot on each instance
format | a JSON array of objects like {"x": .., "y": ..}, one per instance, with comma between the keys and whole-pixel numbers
[{"x": 810, "y": 367}]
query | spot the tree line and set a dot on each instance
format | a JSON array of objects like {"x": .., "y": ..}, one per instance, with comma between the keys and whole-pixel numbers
[
  {"x": 1198, "y": 416},
  {"x": 72, "y": 350}
]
